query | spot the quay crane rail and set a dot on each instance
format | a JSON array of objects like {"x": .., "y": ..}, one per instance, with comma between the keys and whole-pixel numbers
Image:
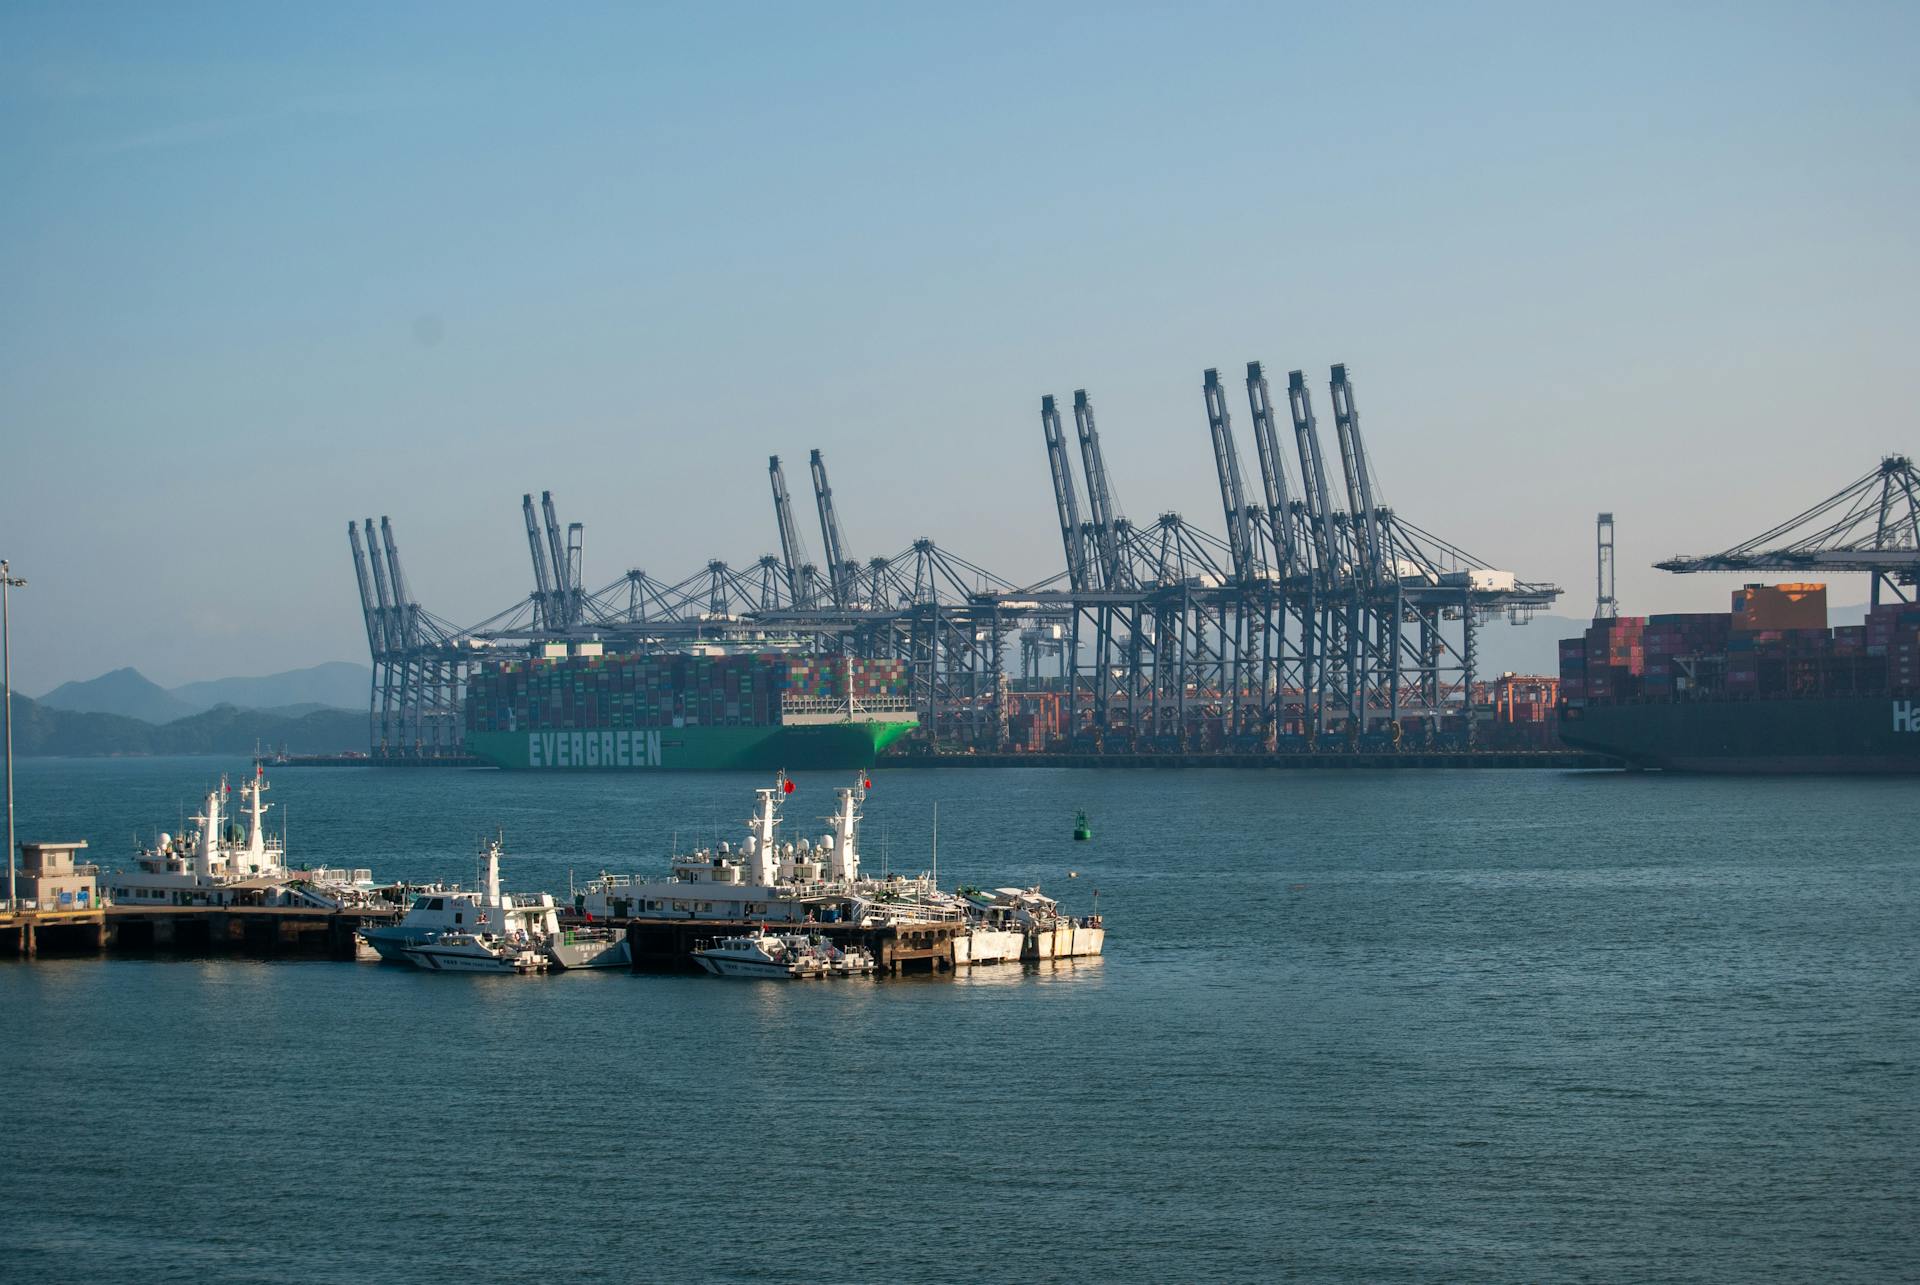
[{"x": 1308, "y": 626}]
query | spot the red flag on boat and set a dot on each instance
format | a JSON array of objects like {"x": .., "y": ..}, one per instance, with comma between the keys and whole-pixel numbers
[
  {"x": 787, "y": 786},
  {"x": 866, "y": 783}
]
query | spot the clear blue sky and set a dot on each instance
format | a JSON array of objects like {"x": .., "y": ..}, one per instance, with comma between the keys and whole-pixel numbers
[{"x": 267, "y": 268}]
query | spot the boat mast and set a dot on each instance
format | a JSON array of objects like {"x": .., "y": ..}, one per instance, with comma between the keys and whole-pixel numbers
[
  {"x": 494, "y": 900},
  {"x": 846, "y": 822},
  {"x": 256, "y": 837},
  {"x": 765, "y": 821},
  {"x": 209, "y": 833}
]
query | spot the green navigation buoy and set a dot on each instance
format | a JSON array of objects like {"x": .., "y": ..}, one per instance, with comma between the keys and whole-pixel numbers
[{"x": 1081, "y": 830}]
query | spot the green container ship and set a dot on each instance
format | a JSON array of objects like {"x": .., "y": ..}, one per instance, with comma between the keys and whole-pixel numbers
[{"x": 589, "y": 712}]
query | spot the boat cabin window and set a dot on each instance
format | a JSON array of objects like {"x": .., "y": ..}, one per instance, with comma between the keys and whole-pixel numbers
[
  {"x": 428, "y": 903},
  {"x": 456, "y": 916}
]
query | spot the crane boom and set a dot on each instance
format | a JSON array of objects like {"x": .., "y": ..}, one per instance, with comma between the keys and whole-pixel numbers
[
  {"x": 576, "y": 571},
  {"x": 1273, "y": 474},
  {"x": 1064, "y": 499},
  {"x": 838, "y": 576},
  {"x": 558, "y": 551},
  {"x": 1359, "y": 474},
  {"x": 790, "y": 549},
  {"x": 403, "y": 604},
  {"x": 390, "y": 630},
  {"x": 1106, "y": 530},
  {"x": 1226, "y": 463},
  {"x": 1872, "y": 525},
  {"x": 1313, "y": 477},
  {"x": 543, "y": 583},
  {"x": 376, "y": 631}
]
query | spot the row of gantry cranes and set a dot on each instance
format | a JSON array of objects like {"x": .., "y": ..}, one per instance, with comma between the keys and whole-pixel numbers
[{"x": 1322, "y": 620}]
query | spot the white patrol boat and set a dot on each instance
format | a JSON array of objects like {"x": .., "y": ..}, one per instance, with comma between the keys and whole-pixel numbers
[
  {"x": 761, "y": 955},
  {"x": 491, "y": 931},
  {"x": 834, "y": 961}
]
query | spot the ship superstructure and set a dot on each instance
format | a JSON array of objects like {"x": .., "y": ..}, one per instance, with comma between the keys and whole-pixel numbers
[
  {"x": 765, "y": 879},
  {"x": 213, "y": 864}
]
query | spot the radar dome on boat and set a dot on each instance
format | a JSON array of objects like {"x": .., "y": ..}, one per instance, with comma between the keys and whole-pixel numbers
[{"x": 165, "y": 838}]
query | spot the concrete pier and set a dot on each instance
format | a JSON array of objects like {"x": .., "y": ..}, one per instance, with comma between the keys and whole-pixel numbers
[
  {"x": 265, "y": 931},
  {"x": 268, "y": 931},
  {"x": 667, "y": 945},
  {"x": 27, "y": 933}
]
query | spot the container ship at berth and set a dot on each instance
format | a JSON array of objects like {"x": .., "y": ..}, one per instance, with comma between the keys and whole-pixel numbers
[
  {"x": 581, "y": 710},
  {"x": 1768, "y": 687}
]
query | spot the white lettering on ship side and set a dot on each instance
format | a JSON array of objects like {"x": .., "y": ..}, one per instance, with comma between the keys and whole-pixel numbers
[
  {"x": 627, "y": 748},
  {"x": 1905, "y": 717}
]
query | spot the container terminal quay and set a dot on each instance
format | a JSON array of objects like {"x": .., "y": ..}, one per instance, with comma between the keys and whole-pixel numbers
[{"x": 1323, "y": 628}]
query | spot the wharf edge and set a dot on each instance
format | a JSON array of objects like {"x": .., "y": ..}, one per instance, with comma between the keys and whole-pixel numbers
[{"x": 657, "y": 945}]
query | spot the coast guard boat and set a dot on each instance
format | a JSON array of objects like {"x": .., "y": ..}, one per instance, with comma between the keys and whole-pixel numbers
[
  {"x": 779, "y": 886},
  {"x": 783, "y": 956},
  {"x": 762, "y": 881},
  {"x": 491, "y": 931},
  {"x": 214, "y": 866}
]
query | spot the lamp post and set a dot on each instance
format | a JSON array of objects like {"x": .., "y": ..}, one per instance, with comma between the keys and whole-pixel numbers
[{"x": 8, "y": 583}]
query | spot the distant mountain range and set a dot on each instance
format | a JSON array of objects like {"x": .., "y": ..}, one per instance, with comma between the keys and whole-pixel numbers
[
  {"x": 130, "y": 694},
  {"x": 40, "y": 729},
  {"x": 319, "y": 710}
]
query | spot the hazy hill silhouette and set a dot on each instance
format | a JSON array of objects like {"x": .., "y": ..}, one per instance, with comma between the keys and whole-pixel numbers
[{"x": 130, "y": 694}]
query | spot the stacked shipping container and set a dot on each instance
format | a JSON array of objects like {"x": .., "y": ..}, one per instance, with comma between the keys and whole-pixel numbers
[
  {"x": 1033, "y": 720},
  {"x": 1752, "y": 652},
  {"x": 669, "y": 690}
]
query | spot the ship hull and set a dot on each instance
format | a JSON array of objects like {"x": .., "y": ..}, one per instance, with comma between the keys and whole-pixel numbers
[
  {"x": 580, "y": 951},
  {"x": 1856, "y": 736},
  {"x": 691, "y": 749},
  {"x": 727, "y": 966}
]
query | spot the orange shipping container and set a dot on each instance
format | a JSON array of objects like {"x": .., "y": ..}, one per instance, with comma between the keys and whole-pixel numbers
[{"x": 1780, "y": 606}]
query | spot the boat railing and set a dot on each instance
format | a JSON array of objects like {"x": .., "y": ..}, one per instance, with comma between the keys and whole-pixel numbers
[{"x": 838, "y": 705}]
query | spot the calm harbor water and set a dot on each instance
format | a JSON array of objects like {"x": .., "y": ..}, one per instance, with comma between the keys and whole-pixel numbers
[{"x": 1360, "y": 1027}]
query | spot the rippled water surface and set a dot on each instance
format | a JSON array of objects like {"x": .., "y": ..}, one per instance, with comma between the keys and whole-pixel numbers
[{"x": 1365, "y": 1027}]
